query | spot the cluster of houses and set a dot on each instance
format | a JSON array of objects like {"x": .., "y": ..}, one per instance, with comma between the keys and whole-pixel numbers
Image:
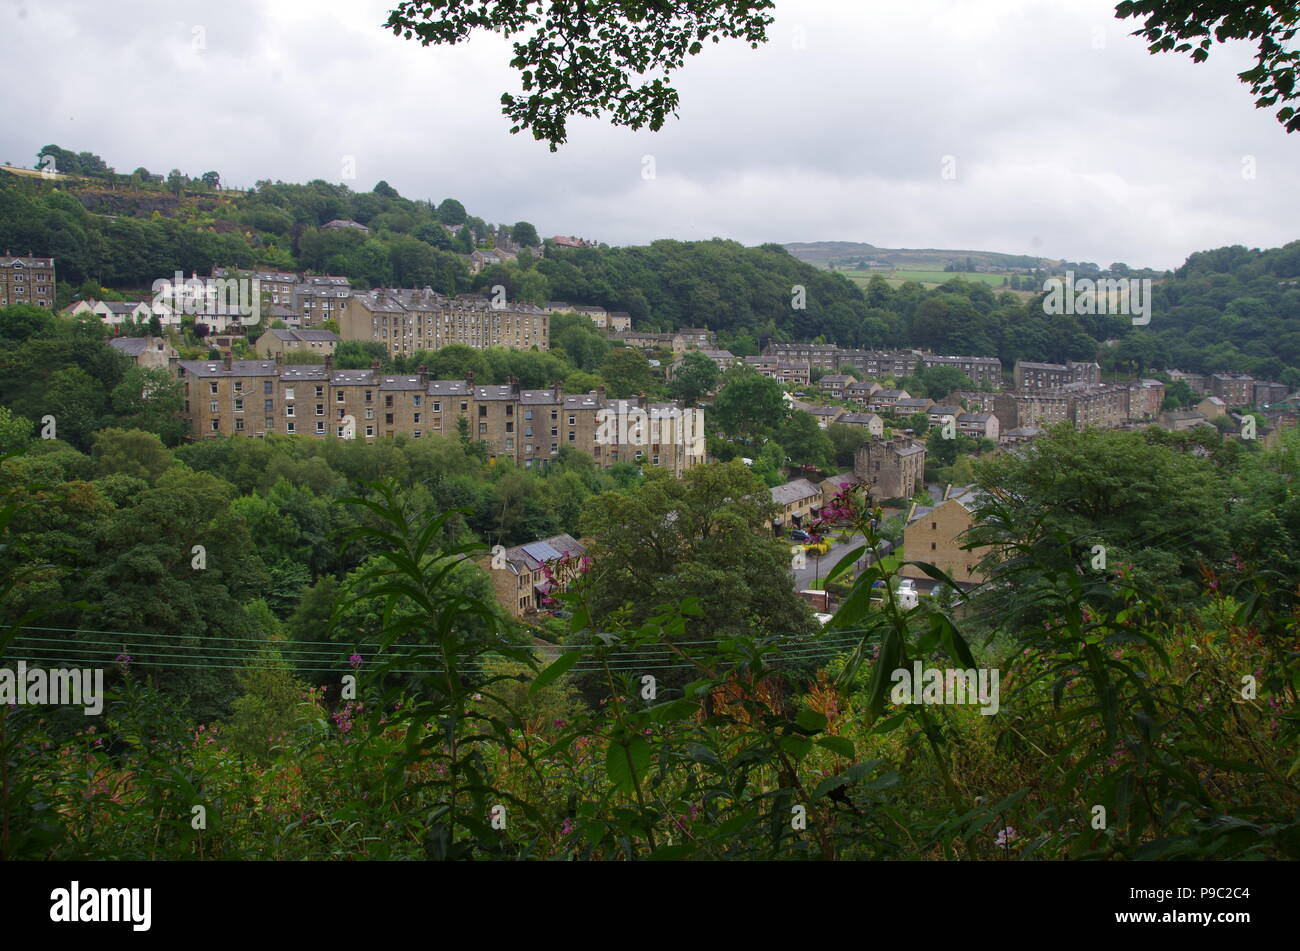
[{"x": 1041, "y": 395}]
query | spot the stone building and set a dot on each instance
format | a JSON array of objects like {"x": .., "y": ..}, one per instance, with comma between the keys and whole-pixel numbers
[
  {"x": 26, "y": 280},
  {"x": 406, "y": 321},
  {"x": 527, "y": 427},
  {"x": 1050, "y": 376},
  {"x": 1235, "y": 389},
  {"x": 982, "y": 371},
  {"x": 519, "y": 574},
  {"x": 891, "y": 469},
  {"x": 936, "y": 534}
]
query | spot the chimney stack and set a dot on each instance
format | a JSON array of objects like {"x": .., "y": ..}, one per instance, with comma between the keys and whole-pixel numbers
[
  {"x": 329, "y": 362},
  {"x": 225, "y": 362}
]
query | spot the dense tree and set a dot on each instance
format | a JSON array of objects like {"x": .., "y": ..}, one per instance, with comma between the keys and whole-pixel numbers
[
  {"x": 804, "y": 441},
  {"x": 626, "y": 373},
  {"x": 694, "y": 378},
  {"x": 1156, "y": 508},
  {"x": 524, "y": 233},
  {"x": 673, "y": 538},
  {"x": 749, "y": 404}
]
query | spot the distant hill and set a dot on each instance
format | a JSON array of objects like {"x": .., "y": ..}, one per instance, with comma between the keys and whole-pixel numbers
[{"x": 824, "y": 253}]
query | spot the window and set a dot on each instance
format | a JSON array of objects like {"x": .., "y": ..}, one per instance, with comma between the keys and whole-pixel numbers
[
  {"x": 415, "y": 400},
  {"x": 288, "y": 411},
  {"x": 528, "y": 414},
  {"x": 573, "y": 420},
  {"x": 934, "y": 546},
  {"x": 339, "y": 397},
  {"x": 510, "y": 444},
  {"x": 416, "y": 434},
  {"x": 555, "y": 447},
  {"x": 934, "y": 526},
  {"x": 239, "y": 406},
  {"x": 212, "y": 406},
  {"x": 239, "y": 386},
  {"x": 370, "y": 396},
  {"x": 555, "y": 414},
  {"x": 212, "y": 388},
  {"x": 573, "y": 437},
  {"x": 239, "y": 425},
  {"x": 510, "y": 410},
  {"x": 482, "y": 412},
  {"x": 388, "y": 401},
  {"x": 288, "y": 392},
  {"x": 528, "y": 432},
  {"x": 437, "y": 406},
  {"x": 289, "y": 427},
  {"x": 388, "y": 419},
  {"x": 268, "y": 387},
  {"x": 320, "y": 409},
  {"x": 555, "y": 431},
  {"x": 216, "y": 425},
  {"x": 464, "y": 406},
  {"x": 482, "y": 429},
  {"x": 370, "y": 432},
  {"x": 320, "y": 391},
  {"x": 415, "y": 417},
  {"x": 320, "y": 428},
  {"x": 510, "y": 426},
  {"x": 370, "y": 412}
]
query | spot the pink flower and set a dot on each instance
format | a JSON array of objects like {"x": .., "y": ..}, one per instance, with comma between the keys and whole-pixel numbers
[{"x": 566, "y": 826}]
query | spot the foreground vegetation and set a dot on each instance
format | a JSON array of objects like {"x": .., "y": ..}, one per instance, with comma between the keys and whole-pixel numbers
[{"x": 1147, "y": 707}]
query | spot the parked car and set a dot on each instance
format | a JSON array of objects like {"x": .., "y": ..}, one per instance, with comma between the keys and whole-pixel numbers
[{"x": 799, "y": 535}]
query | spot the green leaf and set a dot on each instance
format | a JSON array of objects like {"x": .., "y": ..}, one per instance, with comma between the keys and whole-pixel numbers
[
  {"x": 811, "y": 721},
  {"x": 626, "y": 764},
  {"x": 796, "y": 746},
  {"x": 838, "y": 744},
  {"x": 554, "y": 671},
  {"x": 829, "y": 783},
  {"x": 890, "y": 724},
  {"x": 679, "y": 709}
]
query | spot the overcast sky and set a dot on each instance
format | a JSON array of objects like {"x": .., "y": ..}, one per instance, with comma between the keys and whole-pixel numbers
[{"x": 1067, "y": 138}]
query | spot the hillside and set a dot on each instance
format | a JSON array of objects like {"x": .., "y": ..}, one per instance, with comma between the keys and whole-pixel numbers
[{"x": 824, "y": 253}]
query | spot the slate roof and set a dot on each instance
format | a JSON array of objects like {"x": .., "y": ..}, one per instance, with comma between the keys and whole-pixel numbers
[{"x": 794, "y": 491}]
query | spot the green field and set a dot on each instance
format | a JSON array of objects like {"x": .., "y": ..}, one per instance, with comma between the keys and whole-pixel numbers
[{"x": 898, "y": 276}]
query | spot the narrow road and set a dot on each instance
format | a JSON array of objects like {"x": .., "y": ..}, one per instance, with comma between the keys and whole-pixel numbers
[{"x": 813, "y": 569}]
